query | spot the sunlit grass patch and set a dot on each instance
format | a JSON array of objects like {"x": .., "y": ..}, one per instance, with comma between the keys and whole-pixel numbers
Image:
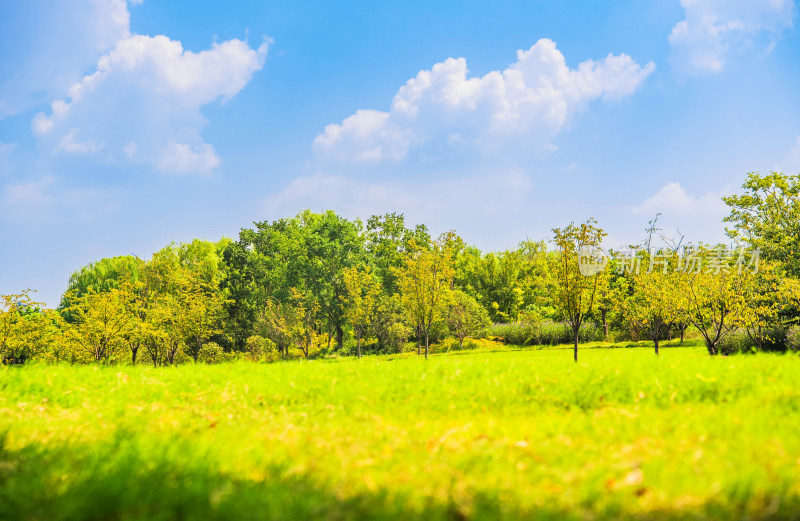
[{"x": 475, "y": 434}]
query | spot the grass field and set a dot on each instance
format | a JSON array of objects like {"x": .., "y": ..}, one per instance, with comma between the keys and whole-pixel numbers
[{"x": 524, "y": 434}]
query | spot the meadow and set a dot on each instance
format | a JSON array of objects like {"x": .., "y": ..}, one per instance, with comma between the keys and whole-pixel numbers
[{"x": 503, "y": 433}]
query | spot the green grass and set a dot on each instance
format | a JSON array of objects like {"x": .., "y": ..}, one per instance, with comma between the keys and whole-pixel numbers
[{"x": 485, "y": 434}]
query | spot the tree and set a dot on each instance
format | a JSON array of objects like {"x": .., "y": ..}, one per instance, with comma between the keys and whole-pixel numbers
[
  {"x": 99, "y": 323},
  {"x": 362, "y": 292},
  {"x": 714, "y": 301},
  {"x": 389, "y": 323},
  {"x": 387, "y": 242},
  {"x": 200, "y": 311},
  {"x": 465, "y": 316},
  {"x": 767, "y": 217},
  {"x": 101, "y": 276},
  {"x": 652, "y": 307},
  {"x": 770, "y": 298},
  {"x": 575, "y": 293},
  {"x": 26, "y": 329},
  {"x": 332, "y": 244},
  {"x": 292, "y": 323},
  {"x": 424, "y": 282}
]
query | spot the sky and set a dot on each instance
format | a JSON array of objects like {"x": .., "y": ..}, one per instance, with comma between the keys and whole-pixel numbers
[{"x": 127, "y": 125}]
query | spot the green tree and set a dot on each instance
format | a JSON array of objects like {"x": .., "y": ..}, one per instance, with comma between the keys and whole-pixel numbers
[
  {"x": 362, "y": 300},
  {"x": 424, "y": 282},
  {"x": 100, "y": 322},
  {"x": 465, "y": 316},
  {"x": 713, "y": 298},
  {"x": 575, "y": 293},
  {"x": 767, "y": 217},
  {"x": 652, "y": 307},
  {"x": 27, "y": 330},
  {"x": 387, "y": 242}
]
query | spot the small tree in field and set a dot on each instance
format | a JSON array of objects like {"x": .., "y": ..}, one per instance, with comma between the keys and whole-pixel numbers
[
  {"x": 26, "y": 330},
  {"x": 465, "y": 316},
  {"x": 100, "y": 323},
  {"x": 362, "y": 298},
  {"x": 653, "y": 307},
  {"x": 713, "y": 299},
  {"x": 575, "y": 292},
  {"x": 424, "y": 282}
]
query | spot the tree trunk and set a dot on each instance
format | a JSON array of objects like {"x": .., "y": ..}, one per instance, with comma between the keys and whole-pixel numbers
[
  {"x": 133, "y": 355},
  {"x": 655, "y": 341},
  {"x": 605, "y": 324},
  {"x": 419, "y": 339},
  {"x": 577, "y": 331},
  {"x": 358, "y": 343},
  {"x": 461, "y": 342},
  {"x": 427, "y": 335},
  {"x": 339, "y": 336}
]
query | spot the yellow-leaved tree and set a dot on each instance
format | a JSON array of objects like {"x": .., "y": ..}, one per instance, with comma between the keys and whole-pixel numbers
[
  {"x": 362, "y": 293},
  {"x": 575, "y": 293},
  {"x": 424, "y": 282}
]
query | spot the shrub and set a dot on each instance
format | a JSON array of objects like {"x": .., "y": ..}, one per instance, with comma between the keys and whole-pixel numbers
[
  {"x": 793, "y": 339},
  {"x": 211, "y": 353},
  {"x": 545, "y": 332},
  {"x": 736, "y": 342},
  {"x": 739, "y": 341}
]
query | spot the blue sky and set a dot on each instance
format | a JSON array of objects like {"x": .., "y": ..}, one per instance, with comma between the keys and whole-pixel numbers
[{"x": 127, "y": 125}]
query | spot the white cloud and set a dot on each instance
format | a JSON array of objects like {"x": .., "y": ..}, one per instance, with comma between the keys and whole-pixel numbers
[
  {"x": 698, "y": 217},
  {"x": 475, "y": 201},
  {"x": 791, "y": 164},
  {"x": 29, "y": 194},
  {"x": 6, "y": 147},
  {"x": 143, "y": 103},
  {"x": 45, "y": 199},
  {"x": 445, "y": 107},
  {"x": 70, "y": 144},
  {"x": 672, "y": 198},
  {"x": 5, "y": 156},
  {"x": 715, "y": 29},
  {"x": 39, "y": 69},
  {"x": 182, "y": 159}
]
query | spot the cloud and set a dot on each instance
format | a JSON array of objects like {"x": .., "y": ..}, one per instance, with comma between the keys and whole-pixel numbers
[
  {"x": 673, "y": 198},
  {"x": 6, "y": 150},
  {"x": 475, "y": 201},
  {"x": 445, "y": 108},
  {"x": 46, "y": 200},
  {"x": 699, "y": 217},
  {"x": 143, "y": 103},
  {"x": 715, "y": 29},
  {"x": 791, "y": 164},
  {"x": 39, "y": 69}
]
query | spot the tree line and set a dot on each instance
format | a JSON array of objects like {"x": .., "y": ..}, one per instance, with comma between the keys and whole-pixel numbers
[{"x": 318, "y": 284}]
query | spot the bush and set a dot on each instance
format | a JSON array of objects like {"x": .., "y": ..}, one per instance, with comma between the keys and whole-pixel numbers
[
  {"x": 793, "y": 339},
  {"x": 212, "y": 353},
  {"x": 736, "y": 342},
  {"x": 739, "y": 341},
  {"x": 545, "y": 332}
]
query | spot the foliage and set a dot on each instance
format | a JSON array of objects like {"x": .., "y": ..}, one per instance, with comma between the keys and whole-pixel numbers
[
  {"x": 767, "y": 217},
  {"x": 362, "y": 291},
  {"x": 793, "y": 338},
  {"x": 424, "y": 282},
  {"x": 575, "y": 292},
  {"x": 543, "y": 332},
  {"x": 465, "y": 316}
]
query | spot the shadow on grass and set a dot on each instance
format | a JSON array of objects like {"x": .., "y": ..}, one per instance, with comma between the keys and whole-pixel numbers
[{"x": 123, "y": 481}]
